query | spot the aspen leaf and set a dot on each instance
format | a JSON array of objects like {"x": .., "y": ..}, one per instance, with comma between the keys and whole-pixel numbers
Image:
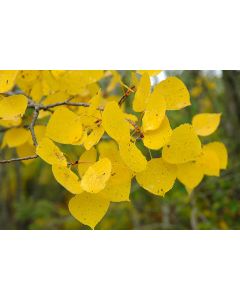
[
  {"x": 89, "y": 209},
  {"x": 206, "y": 124},
  {"x": 91, "y": 116},
  {"x": 11, "y": 123},
  {"x": 15, "y": 137},
  {"x": 115, "y": 79},
  {"x": 13, "y": 107},
  {"x": 88, "y": 116},
  {"x": 87, "y": 159},
  {"x": 40, "y": 131},
  {"x": 156, "y": 139},
  {"x": 26, "y": 150},
  {"x": 149, "y": 72},
  {"x": 26, "y": 79},
  {"x": 134, "y": 79},
  {"x": 221, "y": 151},
  {"x": 95, "y": 102},
  {"x": 37, "y": 91},
  {"x": 67, "y": 179},
  {"x": 142, "y": 94},
  {"x": 64, "y": 126},
  {"x": 95, "y": 178},
  {"x": 154, "y": 112},
  {"x": 175, "y": 92},
  {"x": 58, "y": 73},
  {"x": 183, "y": 146},
  {"x": 114, "y": 123},
  {"x": 158, "y": 177},
  {"x": 94, "y": 137},
  {"x": 74, "y": 81},
  {"x": 49, "y": 152},
  {"x": 108, "y": 149},
  {"x": 210, "y": 162},
  {"x": 7, "y": 80},
  {"x": 83, "y": 137},
  {"x": 132, "y": 156},
  {"x": 190, "y": 174},
  {"x": 119, "y": 185}
]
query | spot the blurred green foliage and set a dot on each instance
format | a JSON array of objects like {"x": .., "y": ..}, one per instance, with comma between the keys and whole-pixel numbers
[{"x": 31, "y": 199}]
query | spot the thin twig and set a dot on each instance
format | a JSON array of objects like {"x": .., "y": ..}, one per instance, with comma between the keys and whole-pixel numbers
[
  {"x": 6, "y": 161},
  {"x": 126, "y": 94},
  {"x": 136, "y": 127},
  {"x": 31, "y": 126}
]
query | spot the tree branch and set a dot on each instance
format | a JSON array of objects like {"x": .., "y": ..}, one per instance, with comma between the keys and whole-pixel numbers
[
  {"x": 31, "y": 126},
  {"x": 6, "y": 161},
  {"x": 38, "y": 107}
]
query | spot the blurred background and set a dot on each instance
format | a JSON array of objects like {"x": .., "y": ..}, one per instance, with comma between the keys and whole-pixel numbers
[{"x": 30, "y": 198}]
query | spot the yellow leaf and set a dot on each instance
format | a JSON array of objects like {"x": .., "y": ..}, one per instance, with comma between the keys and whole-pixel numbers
[
  {"x": 190, "y": 174},
  {"x": 158, "y": 178},
  {"x": 87, "y": 159},
  {"x": 11, "y": 123},
  {"x": 95, "y": 178},
  {"x": 119, "y": 185},
  {"x": 88, "y": 209},
  {"x": 206, "y": 124},
  {"x": 142, "y": 94},
  {"x": 134, "y": 79},
  {"x": 175, "y": 93},
  {"x": 26, "y": 150},
  {"x": 132, "y": 156},
  {"x": 36, "y": 91},
  {"x": 13, "y": 107},
  {"x": 64, "y": 127},
  {"x": 154, "y": 113},
  {"x": 95, "y": 103},
  {"x": 183, "y": 146},
  {"x": 7, "y": 80},
  {"x": 83, "y": 137},
  {"x": 40, "y": 131},
  {"x": 114, "y": 123},
  {"x": 58, "y": 73},
  {"x": 156, "y": 139},
  {"x": 26, "y": 79},
  {"x": 116, "y": 79},
  {"x": 149, "y": 72},
  {"x": 221, "y": 151},
  {"x": 74, "y": 81},
  {"x": 50, "y": 153},
  {"x": 94, "y": 137},
  {"x": 108, "y": 149},
  {"x": 210, "y": 162},
  {"x": 67, "y": 179},
  {"x": 15, "y": 137},
  {"x": 89, "y": 117}
]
